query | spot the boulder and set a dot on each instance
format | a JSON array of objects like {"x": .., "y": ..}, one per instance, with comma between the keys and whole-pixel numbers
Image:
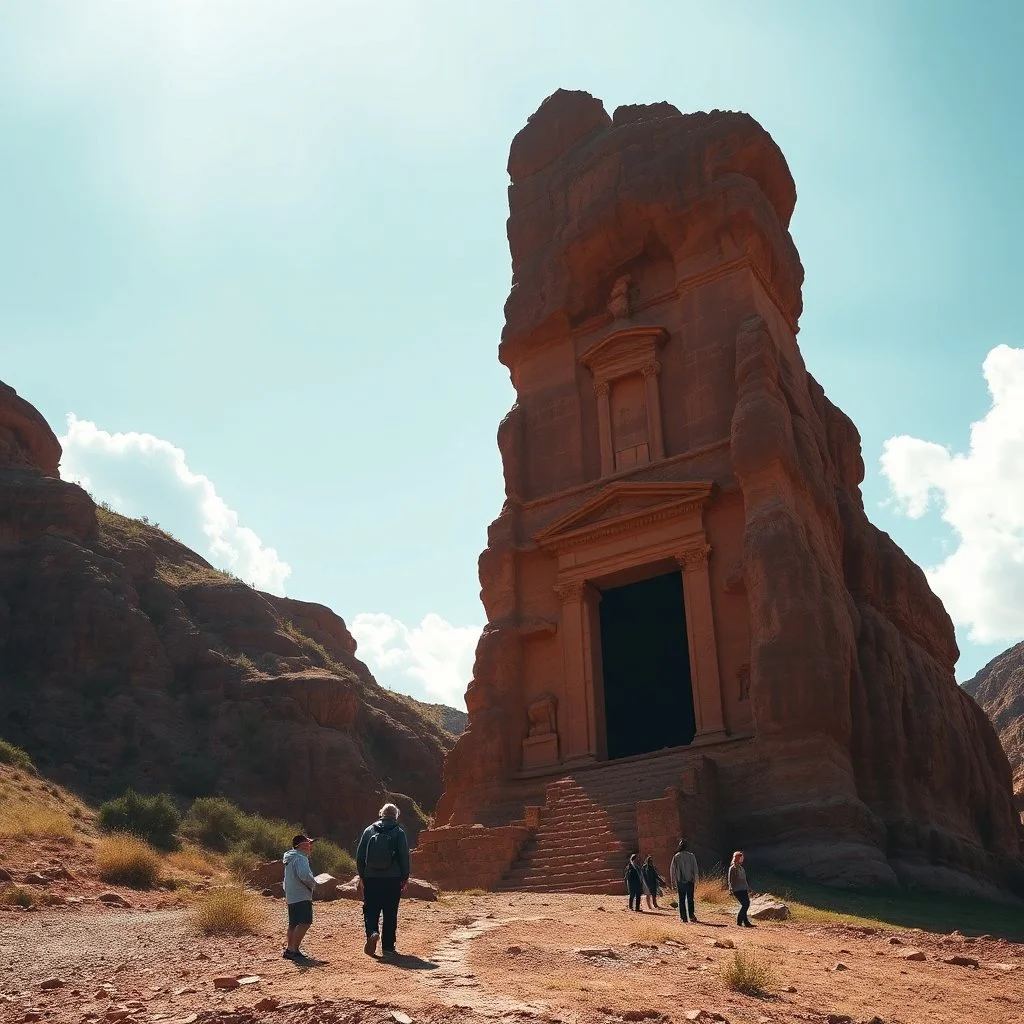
[
  {"x": 265, "y": 875},
  {"x": 417, "y": 889},
  {"x": 911, "y": 954},
  {"x": 275, "y": 891},
  {"x": 6, "y": 876},
  {"x": 225, "y": 983},
  {"x": 768, "y": 908},
  {"x": 326, "y": 887},
  {"x": 37, "y": 878}
]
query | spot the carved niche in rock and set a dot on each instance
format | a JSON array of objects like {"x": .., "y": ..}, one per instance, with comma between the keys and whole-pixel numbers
[{"x": 540, "y": 747}]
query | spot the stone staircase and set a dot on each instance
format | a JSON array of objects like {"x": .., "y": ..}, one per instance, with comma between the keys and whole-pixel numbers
[{"x": 588, "y": 826}]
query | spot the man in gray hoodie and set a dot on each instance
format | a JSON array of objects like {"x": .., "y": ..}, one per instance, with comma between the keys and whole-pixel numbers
[
  {"x": 299, "y": 883},
  {"x": 683, "y": 875},
  {"x": 382, "y": 859}
]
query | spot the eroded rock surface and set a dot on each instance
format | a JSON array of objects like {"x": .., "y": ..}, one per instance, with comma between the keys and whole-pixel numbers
[{"x": 126, "y": 659}]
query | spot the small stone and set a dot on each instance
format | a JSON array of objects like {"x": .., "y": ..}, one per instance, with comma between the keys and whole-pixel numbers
[
  {"x": 6, "y": 876},
  {"x": 840, "y": 966},
  {"x": 113, "y": 899},
  {"x": 912, "y": 954},
  {"x": 37, "y": 878},
  {"x": 187, "y": 990},
  {"x": 190, "y": 1019},
  {"x": 790, "y": 989},
  {"x": 1004, "y": 967},
  {"x": 52, "y": 983},
  {"x": 249, "y": 979},
  {"x": 598, "y": 952},
  {"x": 839, "y": 1018},
  {"x": 400, "y": 1018},
  {"x": 514, "y": 950},
  {"x": 642, "y": 945},
  {"x": 267, "y": 1003},
  {"x": 961, "y": 961},
  {"x": 102, "y": 993},
  {"x": 114, "y": 1015},
  {"x": 225, "y": 983},
  {"x": 723, "y": 943}
]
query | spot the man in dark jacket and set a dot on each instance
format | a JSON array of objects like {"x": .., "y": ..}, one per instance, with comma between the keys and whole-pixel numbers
[{"x": 382, "y": 860}]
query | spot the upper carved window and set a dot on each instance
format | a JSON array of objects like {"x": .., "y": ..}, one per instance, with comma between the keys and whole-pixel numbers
[{"x": 625, "y": 370}]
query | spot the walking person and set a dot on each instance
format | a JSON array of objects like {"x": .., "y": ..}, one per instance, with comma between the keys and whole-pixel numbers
[
  {"x": 740, "y": 889},
  {"x": 299, "y": 883},
  {"x": 382, "y": 860},
  {"x": 651, "y": 882},
  {"x": 683, "y": 875},
  {"x": 634, "y": 883}
]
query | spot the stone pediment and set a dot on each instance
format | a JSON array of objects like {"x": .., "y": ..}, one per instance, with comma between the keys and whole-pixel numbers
[{"x": 625, "y": 506}]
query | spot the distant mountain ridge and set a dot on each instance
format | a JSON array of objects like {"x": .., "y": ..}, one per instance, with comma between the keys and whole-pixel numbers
[
  {"x": 999, "y": 689},
  {"x": 127, "y": 659}
]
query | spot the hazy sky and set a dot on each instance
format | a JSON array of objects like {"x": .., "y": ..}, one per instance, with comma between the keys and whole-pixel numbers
[{"x": 253, "y": 264}]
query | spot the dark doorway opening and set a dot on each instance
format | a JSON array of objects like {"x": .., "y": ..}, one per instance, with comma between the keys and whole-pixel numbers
[{"x": 648, "y": 696}]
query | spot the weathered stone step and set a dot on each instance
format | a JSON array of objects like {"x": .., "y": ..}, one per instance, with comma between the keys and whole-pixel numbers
[{"x": 579, "y": 864}]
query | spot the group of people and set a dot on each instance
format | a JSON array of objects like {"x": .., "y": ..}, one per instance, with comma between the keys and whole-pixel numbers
[
  {"x": 382, "y": 860},
  {"x": 643, "y": 880}
]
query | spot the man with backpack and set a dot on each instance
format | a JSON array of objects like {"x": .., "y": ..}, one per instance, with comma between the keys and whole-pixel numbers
[{"x": 382, "y": 860}]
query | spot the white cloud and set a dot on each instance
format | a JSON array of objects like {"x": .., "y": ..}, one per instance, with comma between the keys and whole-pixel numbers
[
  {"x": 980, "y": 495},
  {"x": 139, "y": 474},
  {"x": 432, "y": 661}
]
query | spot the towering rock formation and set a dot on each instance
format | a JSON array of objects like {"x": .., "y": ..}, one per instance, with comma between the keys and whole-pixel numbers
[
  {"x": 683, "y": 568},
  {"x": 126, "y": 659}
]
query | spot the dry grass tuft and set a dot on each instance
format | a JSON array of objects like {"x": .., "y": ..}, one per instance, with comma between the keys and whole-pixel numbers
[
  {"x": 228, "y": 911},
  {"x": 194, "y": 861},
  {"x": 21, "y": 819},
  {"x": 712, "y": 888},
  {"x": 746, "y": 972},
  {"x": 653, "y": 933},
  {"x": 126, "y": 860},
  {"x": 19, "y": 896}
]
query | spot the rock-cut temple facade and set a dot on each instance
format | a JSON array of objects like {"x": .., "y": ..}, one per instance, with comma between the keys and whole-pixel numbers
[{"x": 693, "y": 629}]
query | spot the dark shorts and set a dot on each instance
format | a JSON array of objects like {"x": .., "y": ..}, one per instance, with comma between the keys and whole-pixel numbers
[{"x": 300, "y": 913}]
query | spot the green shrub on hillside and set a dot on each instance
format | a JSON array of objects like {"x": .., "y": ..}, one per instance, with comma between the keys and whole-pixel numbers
[
  {"x": 219, "y": 824},
  {"x": 16, "y": 757},
  {"x": 152, "y": 818}
]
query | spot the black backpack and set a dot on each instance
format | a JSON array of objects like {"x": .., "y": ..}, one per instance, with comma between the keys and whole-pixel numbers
[{"x": 380, "y": 850}]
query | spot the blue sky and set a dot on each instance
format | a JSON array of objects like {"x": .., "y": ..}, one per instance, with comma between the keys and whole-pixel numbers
[{"x": 257, "y": 250}]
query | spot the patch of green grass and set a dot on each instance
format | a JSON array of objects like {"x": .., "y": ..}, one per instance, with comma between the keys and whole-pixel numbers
[
  {"x": 931, "y": 912},
  {"x": 16, "y": 757},
  {"x": 19, "y": 896}
]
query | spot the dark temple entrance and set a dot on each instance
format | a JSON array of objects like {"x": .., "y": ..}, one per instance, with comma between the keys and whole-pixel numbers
[{"x": 648, "y": 697}]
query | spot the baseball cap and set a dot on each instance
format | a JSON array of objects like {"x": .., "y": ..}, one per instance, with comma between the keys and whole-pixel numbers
[{"x": 300, "y": 838}]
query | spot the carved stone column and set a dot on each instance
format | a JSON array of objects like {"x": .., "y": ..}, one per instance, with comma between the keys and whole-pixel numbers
[
  {"x": 700, "y": 629},
  {"x": 576, "y": 727},
  {"x": 602, "y": 389},
  {"x": 650, "y": 371}
]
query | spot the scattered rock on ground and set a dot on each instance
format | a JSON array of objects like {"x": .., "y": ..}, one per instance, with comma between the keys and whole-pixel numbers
[
  {"x": 401, "y": 1018},
  {"x": 52, "y": 983},
  {"x": 37, "y": 878},
  {"x": 911, "y": 954},
  {"x": 113, "y": 899},
  {"x": 840, "y": 966},
  {"x": 722, "y": 943},
  {"x": 226, "y": 983},
  {"x": 767, "y": 908},
  {"x": 960, "y": 961},
  {"x": 598, "y": 952},
  {"x": 267, "y": 1003}
]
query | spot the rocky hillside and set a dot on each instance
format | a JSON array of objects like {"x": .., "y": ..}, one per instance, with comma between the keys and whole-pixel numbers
[
  {"x": 127, "y": 659},
  {"x": 999, "y": 689}
]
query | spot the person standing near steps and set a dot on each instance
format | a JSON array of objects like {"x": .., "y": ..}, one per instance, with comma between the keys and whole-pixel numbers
[
  {"x": 634, "y": 879},
  {"x": 299, "y": 883},
  {"x": 382, "y": 860},
  {"x": 739, "y": 888},
  {"x": 683, "y": 876}
]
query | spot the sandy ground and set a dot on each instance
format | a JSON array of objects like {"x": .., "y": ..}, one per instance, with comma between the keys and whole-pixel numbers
[{"x": 509, "y": 957}]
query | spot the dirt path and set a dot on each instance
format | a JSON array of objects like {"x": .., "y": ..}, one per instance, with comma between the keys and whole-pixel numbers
[{"x": 518, "y": 957}]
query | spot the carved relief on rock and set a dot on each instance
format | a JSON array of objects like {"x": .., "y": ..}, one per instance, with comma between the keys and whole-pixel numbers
[{"x": 540, "y": 748}]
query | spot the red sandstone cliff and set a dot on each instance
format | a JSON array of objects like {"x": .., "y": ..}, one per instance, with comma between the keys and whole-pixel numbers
[
  {"x": 126, "y": 659},
  {"x": 999, "y": 689},
  {"x": 862, "y": 760}
]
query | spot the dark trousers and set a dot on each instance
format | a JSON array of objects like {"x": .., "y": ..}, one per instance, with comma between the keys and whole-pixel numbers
[
  {"x": 744, "y": 897},
  {"x": 686, "y": 900},
  {"x": 380, "y": 898},
  {"x": 634, "y": 898}
]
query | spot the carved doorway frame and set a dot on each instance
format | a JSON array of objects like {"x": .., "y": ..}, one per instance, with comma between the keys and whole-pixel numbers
[{"x": 628, "y": 532}]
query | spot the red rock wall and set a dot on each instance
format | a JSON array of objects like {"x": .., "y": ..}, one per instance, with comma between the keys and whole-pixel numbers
[{"x": 868, "y": 763}]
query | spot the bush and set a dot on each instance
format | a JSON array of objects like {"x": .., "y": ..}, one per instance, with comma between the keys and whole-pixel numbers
[
  {"x": 152, "y": 818},
  {"x": 712, "y": 888},
  {"x": 19, "y": 896},
  {"x": 748, "y": 974},
  {"x": 127, "y": 860},
  {"x": 219, "y": 825},
  {"x": 228, "y": 911},
  {"x": 16, "y": 757}
]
